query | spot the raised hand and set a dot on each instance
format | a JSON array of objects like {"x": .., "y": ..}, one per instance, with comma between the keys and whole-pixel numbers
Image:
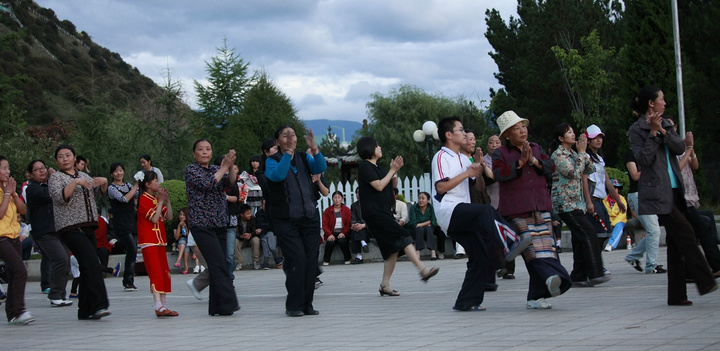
[
  {"x": 478, "y": 157},
  {"x": 310, "y": 141},
  {"x": 581, "y": 143},
  {"x": 689, "y": 139},
  {"x": 397, "y": 163},
  {"x": 11, "y": 185},
  {"x": 228, "y": 160}
]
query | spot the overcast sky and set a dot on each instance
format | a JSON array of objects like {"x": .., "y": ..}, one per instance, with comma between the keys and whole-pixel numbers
[{"x": 327, "y": 56}]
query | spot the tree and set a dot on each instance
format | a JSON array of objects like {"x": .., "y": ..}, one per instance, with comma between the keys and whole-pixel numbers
[
  {"x": 265, "y": 108},
  {"x": 172, "y": 128},
  {"x": 589, "y": 79},
  {"x": 527, "y": 68},
  {"x": 394, "y": 117},
  {"x": 222, "y": 98}
]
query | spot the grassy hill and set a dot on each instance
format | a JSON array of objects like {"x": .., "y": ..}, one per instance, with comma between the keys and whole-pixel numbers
[{"x": 64, "y": 69}]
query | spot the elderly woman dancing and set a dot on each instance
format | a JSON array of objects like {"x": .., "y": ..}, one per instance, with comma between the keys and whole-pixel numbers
[{"x": 520, "y": 168}]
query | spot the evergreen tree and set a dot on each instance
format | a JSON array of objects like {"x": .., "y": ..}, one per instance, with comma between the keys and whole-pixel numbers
[
  {"x": 222, "y": 98},
  {"x": 265, "y": 108}
]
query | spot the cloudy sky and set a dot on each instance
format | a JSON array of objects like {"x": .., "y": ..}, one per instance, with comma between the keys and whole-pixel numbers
[{"x": 328, "y": 56}]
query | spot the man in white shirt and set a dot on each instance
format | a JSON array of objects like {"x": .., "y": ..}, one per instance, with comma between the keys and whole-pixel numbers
[{"x": 466, "y": 223}]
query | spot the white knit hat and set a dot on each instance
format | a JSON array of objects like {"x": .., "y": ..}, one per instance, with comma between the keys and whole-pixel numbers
[{"x": 509, "y": 119}]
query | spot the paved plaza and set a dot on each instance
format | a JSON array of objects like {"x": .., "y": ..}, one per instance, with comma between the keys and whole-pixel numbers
[{"x": 628, "y": 313}]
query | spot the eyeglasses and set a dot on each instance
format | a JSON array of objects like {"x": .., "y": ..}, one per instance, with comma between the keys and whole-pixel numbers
[{"x": 458, "y": 130}]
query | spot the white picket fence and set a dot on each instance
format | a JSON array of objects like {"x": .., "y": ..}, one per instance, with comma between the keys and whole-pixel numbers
[{"x": 409, "y": 188}]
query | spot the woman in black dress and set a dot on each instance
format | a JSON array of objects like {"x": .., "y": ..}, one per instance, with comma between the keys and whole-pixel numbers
[{"x": 377, "y": 199}]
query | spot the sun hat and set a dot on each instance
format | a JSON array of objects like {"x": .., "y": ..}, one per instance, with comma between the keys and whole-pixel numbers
[
  {"x": 593, "y": 131},
  {"x": 509, "y": 119}
]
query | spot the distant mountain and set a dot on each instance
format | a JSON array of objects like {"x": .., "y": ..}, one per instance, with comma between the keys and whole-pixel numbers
[{"x": 320, "y": 126}]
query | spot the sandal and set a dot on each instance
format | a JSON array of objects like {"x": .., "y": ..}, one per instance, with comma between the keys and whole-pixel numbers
[
  {"x": 177, "y": 264},
  {"x": 428, "y": 273},
  {"x": 387, "y": 290},
  {"x": 164, "y": 312}
]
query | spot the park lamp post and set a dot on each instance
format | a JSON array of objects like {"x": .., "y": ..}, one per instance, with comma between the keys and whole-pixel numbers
[{"x": 428, "y": 134}]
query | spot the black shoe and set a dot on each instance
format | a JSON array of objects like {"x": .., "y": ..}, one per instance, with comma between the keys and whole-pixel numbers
[
  {"x": 658, "y": 269},
  {"x": 294, "y": 313},
  {"x": 491, "y": 287},
  {"x": 130, "y": 287},
  {"x": 509, "y": 276},
  {"x": 558, "y": 249},
  {"x": 582, "y": 284},
  {"x": 229, "y": 312},
  {"x": 311, "y": 312},
  {"x": 357, "y": 261},
  {"x": 635, "y": 264},
  {"x": 365, "y": 249}
]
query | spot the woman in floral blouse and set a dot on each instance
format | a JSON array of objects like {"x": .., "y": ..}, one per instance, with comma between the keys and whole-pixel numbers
[{"x": 568, "y": 203}]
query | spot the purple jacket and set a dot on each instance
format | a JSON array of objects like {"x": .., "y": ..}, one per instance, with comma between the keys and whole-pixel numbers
[{"x": 522, "y": 190}]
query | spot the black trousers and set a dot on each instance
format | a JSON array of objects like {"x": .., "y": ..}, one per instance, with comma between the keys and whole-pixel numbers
[
  {"x": 92, "y": 295},
  {"x": 330, "y": 246},
  {"x": 357, "y": 239},
  {"x": 682, "y": 252},
  {"x": 471, "y": 225},
  {"x": 300, "y": 244},
  {"x": 212, "y": 243},
  {"x": 703, "y": 231},
  {"x": 59, "y": 258},
  {"x": 587, "y": 261},
  {"x": 11, "y": 254},
  {"x": 127, "y": 239}
]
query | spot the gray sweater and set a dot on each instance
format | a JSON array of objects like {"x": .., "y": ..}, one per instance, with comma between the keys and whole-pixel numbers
[{"x": 79, "y": 210}]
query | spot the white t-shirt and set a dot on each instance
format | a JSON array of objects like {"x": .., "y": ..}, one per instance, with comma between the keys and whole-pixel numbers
[
  {"x": 599, "y": 178},
  {"x": 447, "y": 164}
]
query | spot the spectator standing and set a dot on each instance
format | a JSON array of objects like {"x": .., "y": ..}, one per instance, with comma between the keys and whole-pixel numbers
[{"x": 146, "y": 165}]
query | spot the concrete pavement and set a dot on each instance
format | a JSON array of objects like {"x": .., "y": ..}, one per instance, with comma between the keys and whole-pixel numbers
[{"x": 627, "y": 313}]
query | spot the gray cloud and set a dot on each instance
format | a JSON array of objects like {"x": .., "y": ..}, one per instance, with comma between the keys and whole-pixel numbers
[{"x": 327, "y": 56}]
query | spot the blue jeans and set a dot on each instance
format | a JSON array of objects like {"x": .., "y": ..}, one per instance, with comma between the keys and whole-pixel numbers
[
  {"x": 650, "y": 244},
  {"x": 230, "y": 251}
]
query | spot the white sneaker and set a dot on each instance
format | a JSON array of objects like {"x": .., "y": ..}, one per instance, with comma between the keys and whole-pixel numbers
[
  {"x": 194, "y": 290},
  {"x": 238, "y": 267},
  {"x": 196, "y": 270},
  {"x": 608, "y": 248},
  {"x": 23, "y": 319},
  {"x": 539, "y": 304},
  {"x": 60, "y": 303},
  {"x": 553, "y": 285},
  {"x": 202, "y": 268}
]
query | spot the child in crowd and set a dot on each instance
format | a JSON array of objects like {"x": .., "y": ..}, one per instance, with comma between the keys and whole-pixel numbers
[
  {"x": 181, "y": 236},
  {"x": 618, "y": 218},
  {"x": 247, "y": 235},
  {"x": 153, "y": 209},
  {"x": 191, "y": 247}
]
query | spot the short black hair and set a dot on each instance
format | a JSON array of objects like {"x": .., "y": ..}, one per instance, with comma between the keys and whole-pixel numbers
[
  {"x": 198, "y": 141},
  {"x": 446, "y": 125},
  {"x": 32, "y": 163},
  {"x": 65, "y": 146},
  {"x": 148, "y": 177},
  {"x": 115, "y": 165},
  {"x": 244, "y": 208},
  {"x": 366, "y": 147},
  {"x": 146, "y": 157}
]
